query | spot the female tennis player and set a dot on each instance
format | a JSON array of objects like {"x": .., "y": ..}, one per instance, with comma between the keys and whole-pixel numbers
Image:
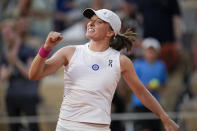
[{"x": 91, "y": 74}]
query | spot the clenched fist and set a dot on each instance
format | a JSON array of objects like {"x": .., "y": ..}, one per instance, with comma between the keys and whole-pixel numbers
[{"x": 53, "y": 39}]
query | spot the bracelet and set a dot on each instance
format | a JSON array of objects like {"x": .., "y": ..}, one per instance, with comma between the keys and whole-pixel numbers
[{"x": 43, "y": 52}]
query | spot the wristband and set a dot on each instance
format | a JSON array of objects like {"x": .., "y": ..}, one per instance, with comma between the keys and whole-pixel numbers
[{"x": 43, "y": 52}]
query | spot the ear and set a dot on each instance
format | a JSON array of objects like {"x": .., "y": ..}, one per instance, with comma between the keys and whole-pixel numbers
[{"x": 110, "y": 33}]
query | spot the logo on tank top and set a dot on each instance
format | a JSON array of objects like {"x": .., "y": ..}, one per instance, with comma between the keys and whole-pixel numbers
[
  {"x": 110, "y": 62},
  {"x": 95, "y": 67}
]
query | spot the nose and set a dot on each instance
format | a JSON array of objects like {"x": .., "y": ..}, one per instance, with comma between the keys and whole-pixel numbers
[{"x": 91, "y": 23}]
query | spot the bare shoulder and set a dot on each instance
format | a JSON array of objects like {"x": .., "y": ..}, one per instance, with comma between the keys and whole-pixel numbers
[
  {"x": 64, "y": 54},
  {"x": 68, "y": 51},
  {"x": 125, "y": 63},
  {"x": 69, "y": 48},
  {"x": 124, "y": 60}
]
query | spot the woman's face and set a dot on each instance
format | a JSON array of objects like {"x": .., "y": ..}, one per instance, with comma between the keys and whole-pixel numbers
[{"x": 97, "y": 29}]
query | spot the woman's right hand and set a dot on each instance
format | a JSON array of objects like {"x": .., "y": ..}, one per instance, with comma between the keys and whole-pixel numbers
[{"x": 53, "y": 39}]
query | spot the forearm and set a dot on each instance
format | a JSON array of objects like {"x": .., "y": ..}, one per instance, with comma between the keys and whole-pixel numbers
[
  {"x": 151, "y": 103},
  {"x": 40, "y": 67},
  {"x": 37, "y": 68}
]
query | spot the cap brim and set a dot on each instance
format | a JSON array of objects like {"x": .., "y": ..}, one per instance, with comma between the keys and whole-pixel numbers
[{"x": 88, "y": 13}]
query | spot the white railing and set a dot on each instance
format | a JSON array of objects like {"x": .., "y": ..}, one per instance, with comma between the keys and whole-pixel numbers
[
  {"x": 127, "y": 118},
  {"x": 114, "y": 116}
]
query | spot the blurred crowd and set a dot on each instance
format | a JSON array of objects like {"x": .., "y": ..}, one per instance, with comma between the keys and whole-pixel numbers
[{"x": 164, "y": 53}]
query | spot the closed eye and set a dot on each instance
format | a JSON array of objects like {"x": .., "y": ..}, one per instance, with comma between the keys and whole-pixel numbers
[{"x": 99, "y": 21}]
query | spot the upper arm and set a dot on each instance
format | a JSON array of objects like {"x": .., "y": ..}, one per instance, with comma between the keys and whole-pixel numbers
[
  {"x": 60, "y": 58},
  {"x": 129, "y": 75}
]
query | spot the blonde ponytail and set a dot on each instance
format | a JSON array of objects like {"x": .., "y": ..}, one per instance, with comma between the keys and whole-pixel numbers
[{"x": 124, "y": 40}]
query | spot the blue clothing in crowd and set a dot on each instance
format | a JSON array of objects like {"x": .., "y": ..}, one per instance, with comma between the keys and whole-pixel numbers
[
  {"x": 62, "y": 5},
  {"x": 146, "y": 72}
]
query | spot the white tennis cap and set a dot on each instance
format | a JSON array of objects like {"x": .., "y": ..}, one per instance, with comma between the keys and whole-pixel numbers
[
  {"x": 106, "y": 15},
  {"x": 151, "y": 42}
]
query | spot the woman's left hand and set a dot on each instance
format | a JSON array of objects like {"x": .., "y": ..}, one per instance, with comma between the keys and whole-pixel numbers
[{"x": 169, "y": 124}]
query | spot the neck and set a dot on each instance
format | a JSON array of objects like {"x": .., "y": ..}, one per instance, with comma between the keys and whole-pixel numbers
[{"x": 98, "y": 46}]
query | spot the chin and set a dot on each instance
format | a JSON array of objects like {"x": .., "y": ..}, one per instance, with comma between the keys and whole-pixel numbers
[{"x": 89, "y": 36}]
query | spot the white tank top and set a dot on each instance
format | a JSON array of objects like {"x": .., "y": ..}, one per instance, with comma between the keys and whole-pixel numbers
[{"x": 90, "y": 80}]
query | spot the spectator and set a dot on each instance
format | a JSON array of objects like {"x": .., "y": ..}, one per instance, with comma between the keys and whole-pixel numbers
[
  {"x": 62, "y": 19},
  {"x": 100, "y": 4},
  {"x": 22, "y": 94},
  {"x": 128, "y": 14},
  {"x": 24, "y": 7},
  {"x": 161, "y": 20},
  {"x": 22, "y": 27},
  {"x": 153, "y": 75}
]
